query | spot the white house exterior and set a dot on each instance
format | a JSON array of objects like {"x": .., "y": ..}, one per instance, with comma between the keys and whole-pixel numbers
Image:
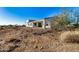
[{"x": 43, "y": 23}]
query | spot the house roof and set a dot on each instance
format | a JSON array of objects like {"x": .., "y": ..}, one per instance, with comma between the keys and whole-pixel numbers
[
  {"x": 31, "y": 20},
  {"x": 49, "y": 18}
]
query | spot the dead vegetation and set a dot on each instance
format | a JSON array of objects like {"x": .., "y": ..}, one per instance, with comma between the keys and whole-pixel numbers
[
  {"x": 70, "y": 37},
  {"x": 35, "y": 40}
]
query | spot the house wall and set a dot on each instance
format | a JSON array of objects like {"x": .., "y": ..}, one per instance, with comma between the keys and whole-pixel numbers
[
  {"x": 45, "y": 23},
  {"x": 29, "y": 24}
]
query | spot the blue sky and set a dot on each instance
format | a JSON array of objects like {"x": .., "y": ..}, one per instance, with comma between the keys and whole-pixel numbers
[{"x": 18, "y": 15}]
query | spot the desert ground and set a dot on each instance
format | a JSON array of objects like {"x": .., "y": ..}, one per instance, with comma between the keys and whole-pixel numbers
[{"x": 22, "y": 39}]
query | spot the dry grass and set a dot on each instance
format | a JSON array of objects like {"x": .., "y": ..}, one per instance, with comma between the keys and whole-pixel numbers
[
  {"x": 70, "y": 37},
  {"x": 27, "y": 39},
  {"x": 31, "y": 39}
]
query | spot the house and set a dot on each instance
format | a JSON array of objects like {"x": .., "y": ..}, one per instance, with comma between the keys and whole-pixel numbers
[{"x": 43, "y": 23}]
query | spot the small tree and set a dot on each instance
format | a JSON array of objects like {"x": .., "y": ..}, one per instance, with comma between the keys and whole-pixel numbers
[{"x": 61, "y": 21}]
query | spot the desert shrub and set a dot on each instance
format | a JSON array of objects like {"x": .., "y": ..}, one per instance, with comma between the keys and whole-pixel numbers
[
  {"x": 9, "y": 26},
  {"x": 60, "y": 22},
  {"x": 2, "y": 27},
  {"x": 70, "y": 37},
  {"x": 23, "y": 26}
]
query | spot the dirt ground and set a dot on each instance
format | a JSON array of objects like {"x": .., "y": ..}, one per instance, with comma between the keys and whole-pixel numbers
[{"x": 33, "y": 40}]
